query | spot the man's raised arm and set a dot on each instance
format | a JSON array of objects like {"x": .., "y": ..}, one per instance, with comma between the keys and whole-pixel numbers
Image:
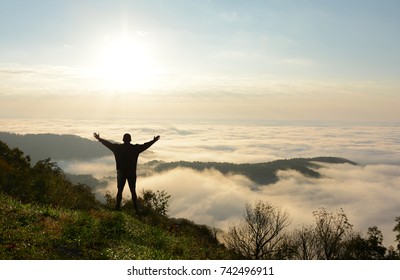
[
  {"x": 106, "y": 143},
  {"x": 147, "y": 145}
]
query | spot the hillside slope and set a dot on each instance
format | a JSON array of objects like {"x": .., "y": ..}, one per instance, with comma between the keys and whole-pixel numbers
[
  {"x": 30, "y": 231},
  {"x": 45, "y": 216}
]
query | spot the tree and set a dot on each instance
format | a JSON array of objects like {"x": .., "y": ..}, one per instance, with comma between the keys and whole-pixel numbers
[
  {"x": 397, "y": 228},
  {"x": 369, "y": 248},
  {"x": 301, "y": 244},
  {"x": 14, "y": 169},
  {"x": 375, "y": 240},
  {"x": 43, "y": 183},
  {"x": 331, "y": 230},
  {"x": 49, "y": 185},
  {"x": 257, "y": 236},
  {"x": 325, "y": 240}
]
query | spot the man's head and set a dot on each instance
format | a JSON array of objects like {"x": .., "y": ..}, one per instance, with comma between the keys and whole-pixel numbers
[{"x": 127, "y": 138}]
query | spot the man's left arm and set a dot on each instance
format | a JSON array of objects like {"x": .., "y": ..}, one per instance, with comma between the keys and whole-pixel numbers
[{"x": 147, "y": 145}]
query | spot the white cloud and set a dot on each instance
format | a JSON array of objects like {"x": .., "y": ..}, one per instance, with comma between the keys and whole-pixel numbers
[
  {"x": 241, "y": 142},
  {"x": 99, "y": 168},
  {"x": 206, "y": 197},
  {"x": 369, "y": 195}
]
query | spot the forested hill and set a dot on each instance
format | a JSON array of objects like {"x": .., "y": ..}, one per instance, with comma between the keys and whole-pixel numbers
[
  {"x": 54, "y": 146},
  {"x": 261, "y": 173}
]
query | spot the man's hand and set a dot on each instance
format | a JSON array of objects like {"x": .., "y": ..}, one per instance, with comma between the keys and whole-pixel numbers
[
  {"x": 156, "y": 138},
  {"x": 96, "y": 135}
]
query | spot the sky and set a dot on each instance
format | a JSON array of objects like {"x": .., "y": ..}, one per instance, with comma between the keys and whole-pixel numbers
[
  {"x": 326, "y": 62},
  {"x": 271, "y": 60}
]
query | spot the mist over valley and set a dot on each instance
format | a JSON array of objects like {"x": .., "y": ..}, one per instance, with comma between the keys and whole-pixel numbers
[{"x": 211, "y": 172}]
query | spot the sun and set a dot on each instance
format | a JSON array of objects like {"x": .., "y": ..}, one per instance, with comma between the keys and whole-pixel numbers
[{"x": 125, "y": 64}]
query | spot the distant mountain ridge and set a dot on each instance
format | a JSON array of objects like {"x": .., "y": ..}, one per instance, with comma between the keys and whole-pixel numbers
[
  {"x": 54, "y": 146},
  {"x": 261, "y": 173},
  {"x": 72, "y": 147}
]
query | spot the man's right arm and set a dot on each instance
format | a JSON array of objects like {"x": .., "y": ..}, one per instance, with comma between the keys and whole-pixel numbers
[{"x": 106, "y": 143}]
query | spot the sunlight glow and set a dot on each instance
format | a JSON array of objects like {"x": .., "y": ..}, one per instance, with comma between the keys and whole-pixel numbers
[{"x": 125, "y": 64}]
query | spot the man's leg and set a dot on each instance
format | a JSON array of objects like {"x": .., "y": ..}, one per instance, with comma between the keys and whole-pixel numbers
[
  {"x": 121, "y": 179},
  {"x": 132, "y": 186}
]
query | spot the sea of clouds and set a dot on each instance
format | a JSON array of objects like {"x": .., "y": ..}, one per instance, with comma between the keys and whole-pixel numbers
[{"x": 369, "y": 193}]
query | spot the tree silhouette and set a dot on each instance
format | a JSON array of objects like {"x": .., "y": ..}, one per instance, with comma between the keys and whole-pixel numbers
[
  {"x": 369, "y": 248},
  {"x": 397, "y": 229},
  {"x": 332, "y": 230},
  {"x": 257, "y": 236}
]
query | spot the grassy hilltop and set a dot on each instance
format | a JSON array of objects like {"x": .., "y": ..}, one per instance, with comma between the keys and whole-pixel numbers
[
  {"x": 45, "y": 216},
  {"x": 31, "y": 231}
]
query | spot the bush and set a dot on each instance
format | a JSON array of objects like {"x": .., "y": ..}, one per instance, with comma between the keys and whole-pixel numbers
[
  {"x": 157, "y": 201},
  {"x": 44, "y": 183}
]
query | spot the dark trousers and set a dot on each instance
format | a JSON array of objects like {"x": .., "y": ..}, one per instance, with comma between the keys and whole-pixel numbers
[{"x": 122, "y": 177}]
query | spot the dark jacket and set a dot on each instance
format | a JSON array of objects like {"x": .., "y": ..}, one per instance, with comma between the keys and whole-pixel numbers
[{"x": 126, "y": 154}]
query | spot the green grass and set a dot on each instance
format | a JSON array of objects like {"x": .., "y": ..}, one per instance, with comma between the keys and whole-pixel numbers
[
  {"x": 45, "y": 216},
  {"x": 30, "y": 231}
]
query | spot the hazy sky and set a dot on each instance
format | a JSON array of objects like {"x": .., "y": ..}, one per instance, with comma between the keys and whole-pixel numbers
[{"x": 269, "y": 59}]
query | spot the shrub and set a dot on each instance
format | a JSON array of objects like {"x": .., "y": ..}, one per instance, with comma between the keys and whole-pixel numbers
[{"x": 157, "y": 201}]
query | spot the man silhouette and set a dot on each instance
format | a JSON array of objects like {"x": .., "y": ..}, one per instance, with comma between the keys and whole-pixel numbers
[{"x": 126, "y": 157}]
